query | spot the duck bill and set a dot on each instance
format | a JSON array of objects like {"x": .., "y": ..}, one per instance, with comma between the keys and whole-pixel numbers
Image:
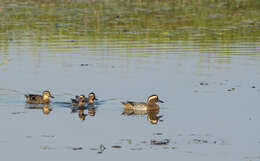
[
  {"x": 160, "y": 101},
  {"x": 95, "y": 99},
  {"x": 52, "y": 96}
]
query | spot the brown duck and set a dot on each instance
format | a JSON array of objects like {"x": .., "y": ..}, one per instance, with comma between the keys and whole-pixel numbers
[
  {"x": 39, "y": 99},
  {"x": 79, "y": 101},
  {"x": 151, "y": 104},
  {"x": 89, "y": 100}
]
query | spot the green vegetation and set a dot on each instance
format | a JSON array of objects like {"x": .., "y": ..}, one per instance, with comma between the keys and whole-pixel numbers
[{"x": 132, "y": 20}]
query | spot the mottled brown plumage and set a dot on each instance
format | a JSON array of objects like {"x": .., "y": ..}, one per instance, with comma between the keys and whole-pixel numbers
[
  {"x": 79, "y": 101},
  {"x": 39, "y": 99},
  {"x": 136, "y": 107},
  {"x": 89, "y": 100}
]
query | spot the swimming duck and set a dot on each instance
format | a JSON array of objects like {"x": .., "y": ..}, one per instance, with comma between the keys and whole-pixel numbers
[
  {"x": 39, "y": 99},
  {"x": 79, "y": 101},
  {"x": 89, "y": 100},
  {"x": 142, "y": 106}
]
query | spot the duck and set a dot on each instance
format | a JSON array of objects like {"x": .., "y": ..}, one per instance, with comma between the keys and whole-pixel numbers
[
  {"x": 134, "y": 107},
  {"x": 90, "y": 100},
  {"x": 79, "y": 101},
  {"x": 39, "y": 99}
]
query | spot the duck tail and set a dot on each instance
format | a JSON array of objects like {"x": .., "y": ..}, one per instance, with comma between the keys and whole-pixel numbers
[
  {"x": 124, "y": 103},
  {"x": 73, "y": 100},
  {"x": 27, "y": 98}
]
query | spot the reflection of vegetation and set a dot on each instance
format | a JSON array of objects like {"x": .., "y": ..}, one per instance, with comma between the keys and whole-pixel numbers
[{"x": 224, "y": 20}]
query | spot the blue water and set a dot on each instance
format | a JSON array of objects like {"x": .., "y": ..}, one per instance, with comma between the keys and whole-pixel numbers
[{"x": 222, "y": 114}]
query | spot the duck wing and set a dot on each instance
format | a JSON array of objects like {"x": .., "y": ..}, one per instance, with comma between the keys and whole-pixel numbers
[
  {"x": 129, "y": 103},
  {"x": 32, "y": 96},
  {"x": 134, "y": 105}
]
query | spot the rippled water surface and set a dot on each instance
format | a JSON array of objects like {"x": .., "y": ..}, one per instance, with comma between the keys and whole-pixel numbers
[{"x": 209, "y": 84}]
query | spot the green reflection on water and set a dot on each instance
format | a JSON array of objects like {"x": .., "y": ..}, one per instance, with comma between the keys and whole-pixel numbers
[{"x": 131, "y": 20}]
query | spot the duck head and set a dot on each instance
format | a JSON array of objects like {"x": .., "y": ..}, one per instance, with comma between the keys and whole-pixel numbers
[
  {"x": 82, "y": 101},
  {"x": 153, "y": 99},
  {"x": 46, "y": 95}
]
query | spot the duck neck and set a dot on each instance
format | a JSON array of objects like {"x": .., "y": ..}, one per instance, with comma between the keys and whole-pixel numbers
[
  {"x": 152, "y": 105},
  {"x": 81, "y": 103},
  {"x": 151, "y": 102},
  {"x": 45, "y": 97},
  {"x": 90, "y": 101}
]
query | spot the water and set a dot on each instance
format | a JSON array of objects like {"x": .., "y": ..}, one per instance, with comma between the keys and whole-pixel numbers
[
  {"x": 210, "y": 88},
  {"x": 119, "y": 71}
]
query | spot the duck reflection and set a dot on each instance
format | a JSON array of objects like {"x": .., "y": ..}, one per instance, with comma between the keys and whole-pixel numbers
[
  {"x": 92, "y": 111},
  {"x": 152, "y": 114},
  {"x": 81, "y": 114},
  {"x": 153, "y": 117},
  {"x": 81, "y": 111},
  {"x": 45, "y": 108}
]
